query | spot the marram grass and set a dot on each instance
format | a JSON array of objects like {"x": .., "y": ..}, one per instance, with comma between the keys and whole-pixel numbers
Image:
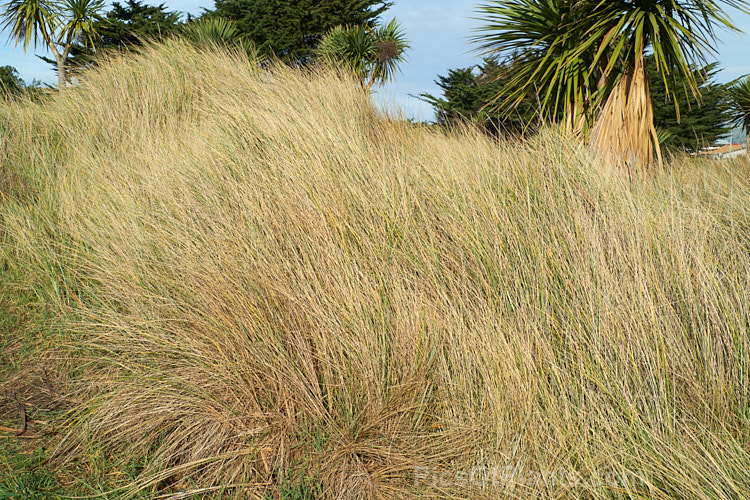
[{"x": 267, "y": 289}]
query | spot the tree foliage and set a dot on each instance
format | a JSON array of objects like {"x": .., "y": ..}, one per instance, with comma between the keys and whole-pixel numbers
[
  {"x": 217, "y": 31},
  {"x": 58, "y": 24},
  {"x": 10, "y": 81},
  {"x": 468, "y": 94},
  {"x": 683, "y": 121},
  {"x": 587, "y": 57},
  {"x": 125, "y": 26},
  {"x": 291, "y": 29},
  {"x": 129, "y": 24},
  {"x": 547, "y": 39},
  {"x": 740, "y": 105},
  {"x": 371, "y": 53}
]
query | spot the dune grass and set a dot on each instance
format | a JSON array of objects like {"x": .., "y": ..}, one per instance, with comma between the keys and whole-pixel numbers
[{"x": 251, "y": 285}]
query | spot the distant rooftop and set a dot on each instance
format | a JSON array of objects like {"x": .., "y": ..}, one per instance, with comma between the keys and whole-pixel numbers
[
  {"x": 725, "y": 151},
  {"x": 726, "y": 148}
]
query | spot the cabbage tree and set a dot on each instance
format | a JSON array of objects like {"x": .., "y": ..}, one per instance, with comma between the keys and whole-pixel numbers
[
  {"x": 58, "y": 24},
  {"x": 679, "y": 34},
  {"x": 552, "y": 63},
  {"x": 740, "y": 102},
  {"x": 221, "y": 32},
  {"x": 371, "y": 53},
  {"x": 588, "y": 57}
]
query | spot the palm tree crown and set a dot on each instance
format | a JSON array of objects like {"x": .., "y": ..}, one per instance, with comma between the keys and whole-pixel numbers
[
  {"x": 543, "y": 39},
  {"x": 740, "y": 102},
  {"x": 587, "y": 56},
  {"x": 372, "y": 54},
  {"x": 224, "y": 33},
  {"x": 58, "y": 24}
]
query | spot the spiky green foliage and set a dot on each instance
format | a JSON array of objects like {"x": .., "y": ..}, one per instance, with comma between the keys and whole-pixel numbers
[
  {"x": 372, "y": 54},
  {"x": 123, "y": 27},
  {"x": 214, "y": 29},
  {"x": 680, "y": 34},
  {"x": 221, "y": 32},
  {"x": 350, "y": 46},
  {"x": 739, "y": 94},
  {"x": 29, "y": 21},
  {"x": 467, "y": 94},
  {"x": 79, "y": 22},
  {"x": 546, "y": 39},
  {"x": 577, "y": 52},
  {"x": 59, "y": 24},
  {"x": 390, "y": 47}
]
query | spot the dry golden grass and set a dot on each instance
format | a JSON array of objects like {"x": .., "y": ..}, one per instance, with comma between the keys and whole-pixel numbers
[{"x": 273, "y": 290}]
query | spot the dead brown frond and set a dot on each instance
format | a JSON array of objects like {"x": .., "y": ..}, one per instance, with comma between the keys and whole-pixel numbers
[{"x": 624, "y": 133}]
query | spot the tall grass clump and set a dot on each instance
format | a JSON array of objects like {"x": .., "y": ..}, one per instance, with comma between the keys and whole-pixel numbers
[{"x": 266, "y": 289}]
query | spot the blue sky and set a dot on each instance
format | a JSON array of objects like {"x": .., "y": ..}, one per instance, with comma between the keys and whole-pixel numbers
[{"x": 438, "y": 31}]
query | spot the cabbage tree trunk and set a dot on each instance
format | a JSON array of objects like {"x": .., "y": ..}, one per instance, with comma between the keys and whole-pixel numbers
[
  {"x": 62, "y": 81},
  {"x": 61, "y": 58}
]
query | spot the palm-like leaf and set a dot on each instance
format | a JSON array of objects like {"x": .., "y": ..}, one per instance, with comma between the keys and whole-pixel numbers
[
  {"x": 214, "y": 29},
  {"x": 680, "y": 33},
  {"x": 740, "y": 105},
  {"x": 740, "y": 102},
  {"x": 79, "y": 21},
  {"x": 551, "y": 58},
  {"x": 372, "y": 54},
  {"x": 575, "y": 53},
  {"x": 351, "y": 46},
  {"x": 223, "y": 32},
  {"x": 29, "y": 20},
  {"x": 390, "y": 45},
  {"x": 58, "y": 23}
]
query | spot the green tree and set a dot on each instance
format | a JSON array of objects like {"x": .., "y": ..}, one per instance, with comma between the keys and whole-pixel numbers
[
  {"x": 10, "y": 82},
  {"x": 59, "y": 24},
  {"x": 291, "y": 29},
  {"x": 468, "y": 92},
  {"x": 546, "y": 40},
  {"x": 588, "y": 58},
  {"x": 371, "y": 53},
  {"x": 689, "y": 124},
  {"x": 129, "y": 24},
  {"x": 679, "y": 33},
  {"x": 125, "y": 26},
  {"x": 739, "y": 93}
]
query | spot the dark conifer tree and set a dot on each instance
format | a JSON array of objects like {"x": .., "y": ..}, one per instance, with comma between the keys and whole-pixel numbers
[{"x": 291, "y": 29}]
